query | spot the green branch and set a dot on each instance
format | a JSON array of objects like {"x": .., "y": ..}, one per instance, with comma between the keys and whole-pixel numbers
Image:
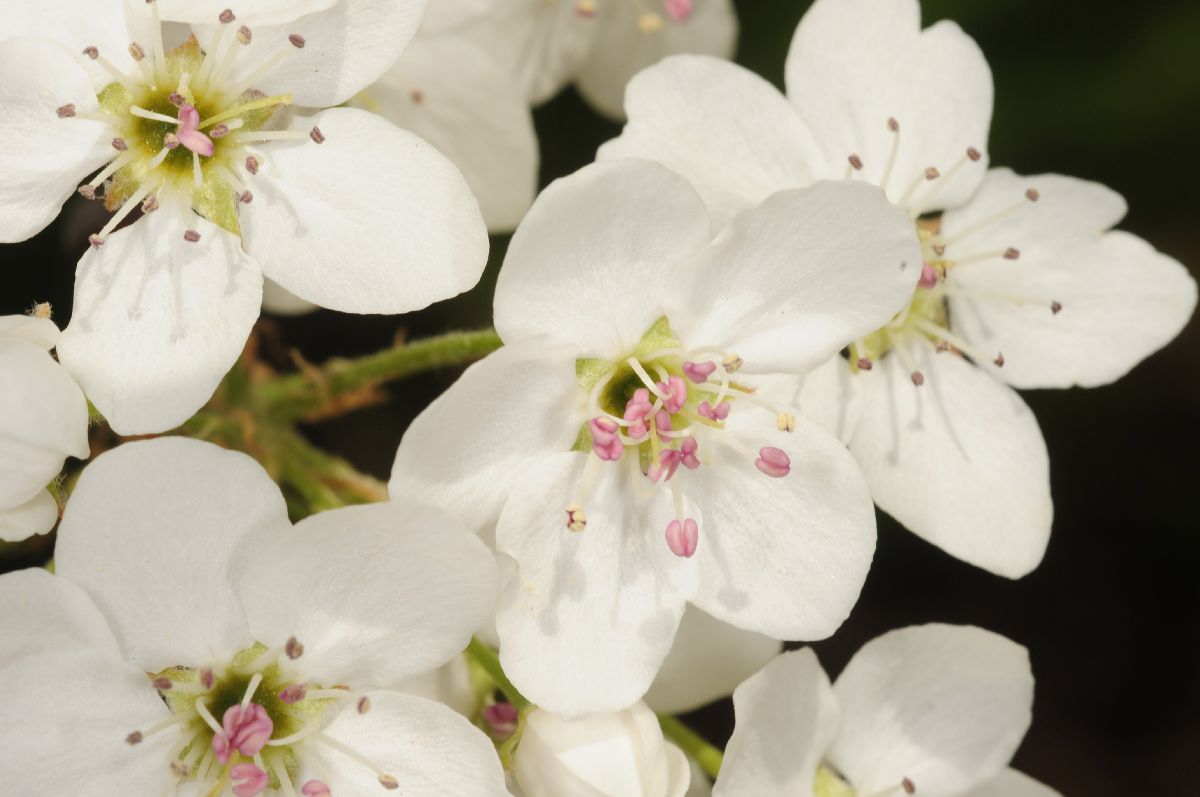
[
  {"x": 323, "y": 390},
  {"x": 708, "y": 756}
]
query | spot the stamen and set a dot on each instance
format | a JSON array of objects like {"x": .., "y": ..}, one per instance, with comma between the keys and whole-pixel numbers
[
  {"x": 137, "y": 737},
  {"x": 116, "y": 164},
  {"x": 119, "y": 144},
  {"x": 207, "y": 716},
  {"x": 1055, "y": 307},
  {"x": 316, "y": 135},
  {"x": 87, "y": 192},
  {"x": 270, "y": 135},
  {"x": 993, "y": 219},
  {"x": 160, "y": 58},
  {"x": 682, "y": 538},
  {"x": 385, "y": 780},
  {"x": 66, "y": 111},
  {"x": 197, "y": 172},
  {"x": 293, "y": 649},
  {"x": 297, "y": 40},
  {"x": 281, "y": 775},
  {"x": 133, "y": 201},
  {"x": 894, "y": 127},
  {"x": 585, "y": 9},
  {"x": 252, "y": 164},
  {"x": 576, "y": 518},
  {"x": 364, "y": 704},
  {"x": 774, "y": 462},
  {"x": 303, "y": 733},
  {"x": 732, "y": 362},
  {"x": 679, "y": 10},
  {"x": 605, "y": 443},
  {"x": 502, "y": 718},
  {"x": 154, "y": 115},
  {"x": 93, "y": 53},
  {"x": 786, "y": 422},
  {"x": 191, "y": 236},
  {"x": 253, "y": 105},
  {"x": 315, "y": 788},
  {"x": 251, "y": 688},
  {"x": 293, "y": 693},
  {"x": 250, "y": 780},
  {"x": 938, "y": 331}
]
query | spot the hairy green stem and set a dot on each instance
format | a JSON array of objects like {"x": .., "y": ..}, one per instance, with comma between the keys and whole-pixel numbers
[
  {"x": 315, "y": 392},
  {"x": 708, "y": 756}
]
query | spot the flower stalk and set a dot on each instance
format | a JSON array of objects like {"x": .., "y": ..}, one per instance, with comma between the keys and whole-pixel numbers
[{"x": 708, "y": 756}]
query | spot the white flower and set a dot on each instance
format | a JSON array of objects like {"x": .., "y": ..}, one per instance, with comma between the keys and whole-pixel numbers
[
  {"x": 194, "y": 642},
  {"x": 43, "y": 420},
  {"x": 597, "y": 44},
  {"x": 620, "y": 754},
  {"x": 933, "y": 710},
  {"x": 340, "y": 207},
  {"x": 614, "y": 410},
  {"x": 1020, "y": 275}
]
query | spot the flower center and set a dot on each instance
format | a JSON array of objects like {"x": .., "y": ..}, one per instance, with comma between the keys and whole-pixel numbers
[
  {"x": 657, "y": 404},
  {"x": 242, "y": 726},
  {"x": 184, "y": 123}
]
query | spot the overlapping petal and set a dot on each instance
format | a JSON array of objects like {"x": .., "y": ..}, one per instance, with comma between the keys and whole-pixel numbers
[
  {"x": 373, "y": 220},
  {"x": 42, "y": 613}
]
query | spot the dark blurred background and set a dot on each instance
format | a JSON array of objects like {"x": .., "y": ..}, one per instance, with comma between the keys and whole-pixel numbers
[{"x": 1106, "y": 91}]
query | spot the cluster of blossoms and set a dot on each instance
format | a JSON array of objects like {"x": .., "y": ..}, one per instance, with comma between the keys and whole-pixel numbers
[{"x": 753, "y": 320}]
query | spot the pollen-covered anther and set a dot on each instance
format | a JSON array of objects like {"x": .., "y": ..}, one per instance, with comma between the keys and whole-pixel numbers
[
  {"x": 170, "y": 141},
  {"x": 316, "y": 135},
  {"x": 246, "y": 197},
  {"x": 1055, "y": 307},
  {"x": 297, "y": 41},
  {"x": 388, "y": 782},
  {"x": 293, "y": 649},
  {"x": 785, "y": 422},
  {"x": 974, "y": 154},
  {"x": 96, "y": 241},
  {"x": 674, "y": 393},
  {"x": 252, "y": 164},
  {"x": 939, "y": 249},
  {"x": 1012, "y": 253},
  {"x": 650, "y": 23},
  {"x": 180, "y": 769},
  {"x": 576, "y": 518},
  {"x": 293, "y": 693},
  {"x": 364, "y": 704},
  {"x": 245, "y": 35},
  {"x": 918, "y": 378},
  {"x": 732, "y": 362},
  {"x": 191, "y": 236},
  {"x": 586, "y": 8},
  {"x": 605, "y": 442},
  {"x": 87, "y": 192},
  {"x": 932, "y": 173},
  {"x": 134, "y": 738},
  {"x": 1033, "y": 195},
  {"x": 150, "y": 204},
  {"x": 698, "y": 372},
  {"x": 773, "y": 462},
  {"x": 226, "y": 16},
  {"x": 136, "y": 52},
  {"x": 119, "y": 144},
  {"x": 65, "y": 111},
  {"x": 682, "y": 538},
  {"x": 856, "y": 162}
]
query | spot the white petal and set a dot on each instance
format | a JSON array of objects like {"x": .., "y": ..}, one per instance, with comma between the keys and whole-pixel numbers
[
  {"x": 707, "y": 662},
  {"x": 158, "y": 320},
  {"x": 618, "y": 754},
  {"x": 42, "y": 332},
  {"x": 622, "y": 49},
  {"x": 793, "y": 281},
  {"x": 377, "y": 594},
  {"x": 700, "y": 785},
  {"x": 459, "y": 99},
  {"x": 542, "y": 45},
  {"x": 944, "y": 706},
  {"x": 373, "y": 220},
  {"x": 428, "y": 748},
  {"x": 449, "y": 684},
  {"x": 44, "y": 157},
  {"x": 36, "y": 516},
  {"x": 347, "y": 47},
  {"x": 465, "y": 450},
  {"x": 855, "y": 64},
  {"x": 150, "y": 532},
  {"x": 786, "y": 557},
  {"x": 42, "y": 613},
  {"x": 258, "y": 12},
  {"x": 1119, "y": 299},
  {"x": 74, "y": 25},
  {"x": 280, "y": 301},
  {"x": 43, "y": 420},
  {"x": 1011, "y": 783},
  {"x": 75, "y": 709},
  {"x": 451, "y": 16},
  {"x": 787, "y": 717},
  {"x": 592, "y": 260},
  {"x": 960, "y": 461},
  {"x": 724, "y": 128},
  {"x": 590, "y": 616}
]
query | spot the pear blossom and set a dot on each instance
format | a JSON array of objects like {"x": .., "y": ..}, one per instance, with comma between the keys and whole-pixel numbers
[
  {"x": 933, "y": 710},
  {"x": 622, "y": 481},
  {"x": 236, "y": 175},
  {"x": 1023, "y": 282},
  {"x": 193, "y": 642},
  {"x": 618, "y": 754},
  {"x": 43, "y": 420},
  {"x": 597, "y": 44}
]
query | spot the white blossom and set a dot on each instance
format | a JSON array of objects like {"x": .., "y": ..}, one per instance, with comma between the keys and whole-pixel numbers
[
  {"x": 1023, "y": 282},
  {"x": 628, "y": 436},
  {"x": 194, "y": 643},
  {"x": 237, "y": 176},
  {"x": 43, "y": 420}
]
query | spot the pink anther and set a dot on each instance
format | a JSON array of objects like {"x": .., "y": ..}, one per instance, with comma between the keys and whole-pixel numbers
[
  {"x": 636, "y": 411},
  {"x": 682, "y": 537},
  {"x": 293, "y": 693},
  {"x": 662, "y": 421},
  {"x": 929, "y": 277},
  {"x": 717, "y": 413},
  {"x": 605, "y": 442},
  {"x": 679, "y": 10},
  {"x": 249, "y": 780},
  {"x": 501, "y": 718},
  {"x": 315, "y": 788},
  {"x": 687, "y": 453},
  {"x": 773, "y": 462},
  {"x": 244, "y": 732},
  {"x": 189, "y": 131},
  {"x": 698, "y": 372},
  {"x": 665, "y": 467},
  {"x": 674, "y": 393}
]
